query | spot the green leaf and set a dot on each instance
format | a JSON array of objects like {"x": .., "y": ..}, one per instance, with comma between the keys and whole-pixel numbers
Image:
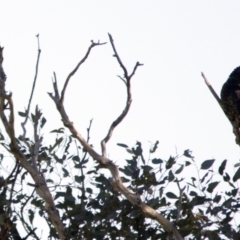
[
  {"x": 217, "y": 198},
  {"x": 76, "y": 158},
  {"x": 89, "y": 190},
  {"x": 43, "y": 121},
  {"x": 59, "y": 194},
  {"x": 122, "y": 145},
  {"x": 60, "y": 130},
  {"x": 171, "y": 195},
  {"x": 129, "y": 151},
  {"x": 127, "y": 171},
  {"x": 157, "y": 161},
  {"x": 222, "y": 167},
  {"x": 170, "y": 162},
  {"x": 138, "y": 151},
  {"x": 30, "y": 215},
  {"x": 146, "y": 168},
  {"x": 187, "y": 163},
  {"x": 154, "y": 147},
  {"x": 79, "y": 179},
  {"x": 49, "y": 181},
  {"x": 1, "y": 137},
  {"x": 170, "y": 176},
  {"x": 22, "y": 114},
  {"x": 211, "y": 186},
  {"x": 207, "y": 164},
  {"x": 180, "y": 169},
  {"x": 236, "y": 175},
  {"x": 65, "y": 172},
  {"x": 226, "y": 178},
  {"x": 33, "y": 117},
  {"x": 187, "y": 153}
]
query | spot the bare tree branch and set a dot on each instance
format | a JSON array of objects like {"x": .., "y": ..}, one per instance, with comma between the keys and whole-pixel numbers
[
  {"x": 212, "y": 90},
  {"x": 78, "y": 65},
  {"x": 107, "y": 163},
  {"x": 129, "y": 97},
  {"x": 33, "y": 87}
]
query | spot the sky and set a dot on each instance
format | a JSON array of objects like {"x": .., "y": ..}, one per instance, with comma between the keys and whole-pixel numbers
[{"x": 175, "y": 40}]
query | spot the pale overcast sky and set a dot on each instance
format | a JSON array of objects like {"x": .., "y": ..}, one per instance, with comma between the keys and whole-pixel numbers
[{"x": 175, "y": 40}]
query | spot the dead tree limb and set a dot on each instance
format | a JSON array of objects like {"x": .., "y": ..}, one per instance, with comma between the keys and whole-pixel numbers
[
  {"x": 107, "y": 163},
  {"x": 77, "y": 67},
  {"x": 127, "y": 80},
  {"x": 33, "y": 88}
]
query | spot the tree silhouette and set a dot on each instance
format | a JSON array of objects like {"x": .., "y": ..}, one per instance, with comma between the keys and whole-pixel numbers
[{"x": 147, "y": 198}]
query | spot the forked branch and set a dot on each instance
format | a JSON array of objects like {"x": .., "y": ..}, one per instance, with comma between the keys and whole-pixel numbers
[
  {"x": 77, "y": 67},
  {"x": 127, "y": 81},
  {"x": 107, "y": 163}
]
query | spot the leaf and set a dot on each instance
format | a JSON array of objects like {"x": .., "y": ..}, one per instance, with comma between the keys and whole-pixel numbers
[
  {"x": 76, "y": 158},
  {"x": 207, "y": 164},
  {"x": 154, "y": 147},
  {"x": 170, "y": 162},
  {"x": 171, "y": 195},
  {"x": 234, "y": 192},
  {"x": 236, "y": 175},
  {"x": 43, "y": 121},
  {"x": 187, "y": 153},
  {"x": 222, "y": 167},
  {"x": 60, "y": 130},
  {"x": 79, "y": 179},
  {"x": 217, "y": 198},
  {"x": 89, "y": 190},
  {"x": 157, "y": 161},
  {"x": 226, "y": 178},
  {"x": 122, "y": 145},
  {"x": 30, "y": 215},
  {"x": 180, "y": 169},
  {"x": 129, "y": 151},
  {"x": 1, "y": 137},
  {"x": 138, "y": 151},
  {"x": 193, "y": 193},
  {"x": 187, "y": 163},
  {"x": 22, "y": 114},
  {"x": 202, "y": 180},
  {"x": 49, "y": 181},
  {"x": 126, "y": 171},
  {"x": 33, "y": 117},
  {"x": 211, "y": 186},
  {"x": 65, "y": 172},
  {"x": 146, "y": 168},
  {"x": 170, "y": 176},
  {"x": 237, "y": 165}
]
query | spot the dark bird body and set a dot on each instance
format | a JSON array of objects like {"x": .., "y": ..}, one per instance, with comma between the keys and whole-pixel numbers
[{"x": 230, "y": 99}]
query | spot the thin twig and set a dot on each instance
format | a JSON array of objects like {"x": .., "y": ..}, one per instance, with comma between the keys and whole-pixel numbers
[
  {"x": 129, "y": 96},
  {"x": 212, "y": 90},
  {"x": 33, "y": 87},
  {"x": 76, "y": 68}
]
